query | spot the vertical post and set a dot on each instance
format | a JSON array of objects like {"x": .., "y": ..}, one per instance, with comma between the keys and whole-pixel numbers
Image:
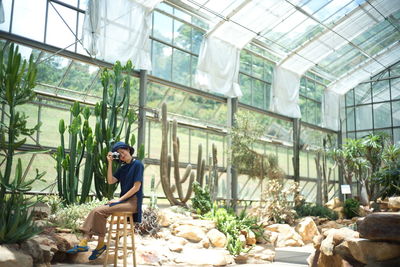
[
  {"x": 296, "y": 150},
  {"x": 340, "y": 170},
  {"x": 142, "y": 105},
  {"x": 232, "y": 178}
]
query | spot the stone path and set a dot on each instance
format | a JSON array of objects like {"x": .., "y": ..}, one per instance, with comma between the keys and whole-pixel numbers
[{"x": 285, "y": 257}]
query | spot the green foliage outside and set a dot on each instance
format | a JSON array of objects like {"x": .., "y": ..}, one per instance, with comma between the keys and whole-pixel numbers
[
  {"x": 201, "y": 202},
  {"x": 17, "y": 78},
  {"x": 230, "y": 224},
  {"x": 309, "y": 209},
  {"x": 351, "y": 208}
]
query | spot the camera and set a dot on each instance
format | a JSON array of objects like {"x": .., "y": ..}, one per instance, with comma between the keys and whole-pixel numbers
[{"x": 115, "y": 155}]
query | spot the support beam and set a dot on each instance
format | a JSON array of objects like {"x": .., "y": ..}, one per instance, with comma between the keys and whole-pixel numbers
[
  {"x": 296, "y": 149},
  {"x": 231, "y": 171},
  {"x": 142, "y": 111}
]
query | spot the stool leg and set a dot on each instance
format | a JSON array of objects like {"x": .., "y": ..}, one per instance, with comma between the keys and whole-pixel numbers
[
  {"x": 117, "y": 242},
  {"x": 125, "y": 232},
  {"x": 133, "y": 240},
  {"x": 109, "y": 240}
]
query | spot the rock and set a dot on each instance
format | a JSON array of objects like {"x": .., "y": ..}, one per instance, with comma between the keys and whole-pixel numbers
[
  {"x": 215, "y": 257},
  {"x": 206, "y": 225},
  {"x": 175, "y": 247},
  {"x": 343, "y": 251},
  {"x": 268, "y": 237},
  {"x": 216, "y": 238},
  {"x": 333, "y": 203},
  {"x": 307, "y": 229},
  {"x": 242, "y": 239},
  {"x": 340, "y": 212},
  {"x": 168, "y": 217},
  {"x": 380, "y": 226},
  {"x": 251, "y": 238},
  {"x": 32, "y": 248},
  {"x": 317, "y": 241},
  {"x": 191, "y": 233},
  {"x": 331, "y": 261},
  {"x": 366, "y": 251},
  {"x": 287, "y": 236},
  {"x": 339, "y": 235},
  {"x": 327, "y": 246},
  {"x": 148, "y": 256},
  {"x": 394, "y": 203},
  {"x": 241, "y": 259},
  {"x": 205, "y": 242},
  {"x": 263, "y": 253},
  {"x": 13, "y": 258}
]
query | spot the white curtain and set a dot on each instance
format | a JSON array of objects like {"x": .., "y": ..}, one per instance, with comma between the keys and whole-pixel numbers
[
  {"x": 285, "y": 86},
  {"x": 119, "y": 30},
  {"x": 218, "y": 67},
  {"x": 331, "y": 110}
]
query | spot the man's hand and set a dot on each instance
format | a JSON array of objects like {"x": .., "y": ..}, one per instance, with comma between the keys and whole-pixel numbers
[{"x": 109, "y": 157}]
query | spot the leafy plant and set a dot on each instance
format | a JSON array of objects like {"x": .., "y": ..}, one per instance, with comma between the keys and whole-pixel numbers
[
  {"x": 351, "y": 208},
  {"x": 201, "y": 202},
  {"x": 308, "y": 209},
  {"x": 54, "y": 202},
  {"x": 72, "y": 216},
  {"x": 17, "y": 78}
]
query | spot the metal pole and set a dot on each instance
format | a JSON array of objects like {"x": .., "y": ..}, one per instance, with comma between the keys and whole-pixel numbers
[{"x": 142, "y": 112}]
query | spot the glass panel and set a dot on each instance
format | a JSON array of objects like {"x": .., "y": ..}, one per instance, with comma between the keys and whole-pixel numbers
[
  {"x": 364, "y": 117},
  {"x": 362, "y": 94},
  {"x": 395, "y": 88},
  {"x": 193, "y": 67},
  {"x": 350, "y": 98},
  {"x": 303, "y": 164},
  {"x": 155, "y": 94},
  {"x": 197, "y": 37},
  {"x": 182, "y": 15},
  {"x": 258, "y": 94},
  {"x": 268, "y": 95},
  {"x": 56, "y": 24},
  {"x": 5, "y": 26},
  {"x": 245, "y": 62},
  {"x": 197, "y": 137},
  {"x": 79, "y": 77},
  {"x": 396, "y": 113},
  {"x": 181, "y": 67},
  {"x": 183, "y": 134},
  {"x": 382, "y": 115},
  {"x": 362, "y": 134},
  {"x": 182, "y": 35},
  {"x": 165, "y": 7},
  {"x": 245, "y": 86},
  {"x": 24, "y": 16},
  {"x": 350, "y": 119},
  {"x": 395, "y": 70},
  {"x": 380, "y": 91},
  {"x": 258, "y": 68},
  {"x": 31, "y": 111},
  {"x": 51, "y": 69},
  {"x": 161, "y": 60},
  {"x": 50, "y": 118},
  {"x": 303, "y": 90},
  {"x": 162, "y": 27},
  {"x": 396, "y": 136}
]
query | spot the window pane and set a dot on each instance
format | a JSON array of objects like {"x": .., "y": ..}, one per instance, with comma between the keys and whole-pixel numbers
[
  {"x": 350, "y": 98},
  {"x": 258, "y": 94},
  {"x": 396, "y": 136},
  {"x": 382, "y": 115},
  {"x": 24, "y": 16},
  {"x": 364, "y": 117},
  {"x": 350, "y": 119},
  {"x": 245, "y": 85},
  {"x": 362, "y": 94},
  {"x": 181, "y": 67},
  {"x": 5, "y": 26},
  {"x": 396, "y": 113},
  {"x": 258, "y": 67},
  {"x": 162, "y": 27},
  {"x": 161, "y": 60},
  {"x": 182, "y": 35},
  {"x": 245, "y": 62},
  {"x": 268, "y": 95},
  {"x": 395, "y": 88},
  {"x": 380, "y": 91},
  {"x": 56, "y": 24},
  {"x": 197, "y": 37}
]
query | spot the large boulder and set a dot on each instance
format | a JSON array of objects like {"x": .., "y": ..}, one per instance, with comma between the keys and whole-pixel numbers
[
  {"x": 380, "y": 226},
  {"x": 307, "y": 229},
  {"x": 334, "y": 203},
  {"x": 13, "y": 258},
  {"x": 191, "y": 233},
  {"x": 287, "y": 236},
  {"x": 334, "y": 237},
  {"x": 367, "y": 251},
  {"x": 216, "y": 238},
  {"x": 394, "y": 203}
]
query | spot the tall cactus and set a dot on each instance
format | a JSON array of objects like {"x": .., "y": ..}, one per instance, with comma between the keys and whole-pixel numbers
[
  {"x": 115, "y": 105},
  {"x": 213, "y": 183},
  {"x": 165, "y": 165},
  {"x": 68, "y": 164},
  {"x": 201, "y": 164}
]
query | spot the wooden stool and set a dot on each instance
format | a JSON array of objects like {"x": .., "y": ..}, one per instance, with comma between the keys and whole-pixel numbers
[{"x": 117, "y": 219}]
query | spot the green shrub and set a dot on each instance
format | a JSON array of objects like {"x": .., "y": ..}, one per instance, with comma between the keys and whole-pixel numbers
[
  {"x": 388, "y": 180},
  {"x": 351, "y": 207},
  {"x": 308, "y": 209},
  {"x": 201, "y": 202},
  {"x": 73, "y": 216}
]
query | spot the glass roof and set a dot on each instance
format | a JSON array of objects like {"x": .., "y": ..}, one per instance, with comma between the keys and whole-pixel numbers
[{"x": 334, "y": 38}]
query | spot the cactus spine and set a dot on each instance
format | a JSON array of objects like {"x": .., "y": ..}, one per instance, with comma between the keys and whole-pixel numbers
[
  {"x": 115, "y": 104},
  {"x": 165, "y": 165}
]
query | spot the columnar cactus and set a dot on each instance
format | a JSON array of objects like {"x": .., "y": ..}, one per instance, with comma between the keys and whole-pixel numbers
[
  {"x": 115, "y": 105},
  {"x": 165, "y": 165},
  {"x": 201, "y": 163},
  {"x": 68, "y": 164},
  {"x": 213, "y": 184}
]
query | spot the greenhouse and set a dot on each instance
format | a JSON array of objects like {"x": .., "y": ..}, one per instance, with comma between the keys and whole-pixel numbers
[{"x": 200, "y": 132}]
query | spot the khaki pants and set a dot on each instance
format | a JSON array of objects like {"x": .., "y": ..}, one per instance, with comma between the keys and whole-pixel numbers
[{"x": 95, "y": 223}]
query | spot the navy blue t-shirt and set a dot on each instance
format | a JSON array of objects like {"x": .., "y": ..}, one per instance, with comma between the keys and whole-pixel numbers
[{"x": 127, "y": 175}]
